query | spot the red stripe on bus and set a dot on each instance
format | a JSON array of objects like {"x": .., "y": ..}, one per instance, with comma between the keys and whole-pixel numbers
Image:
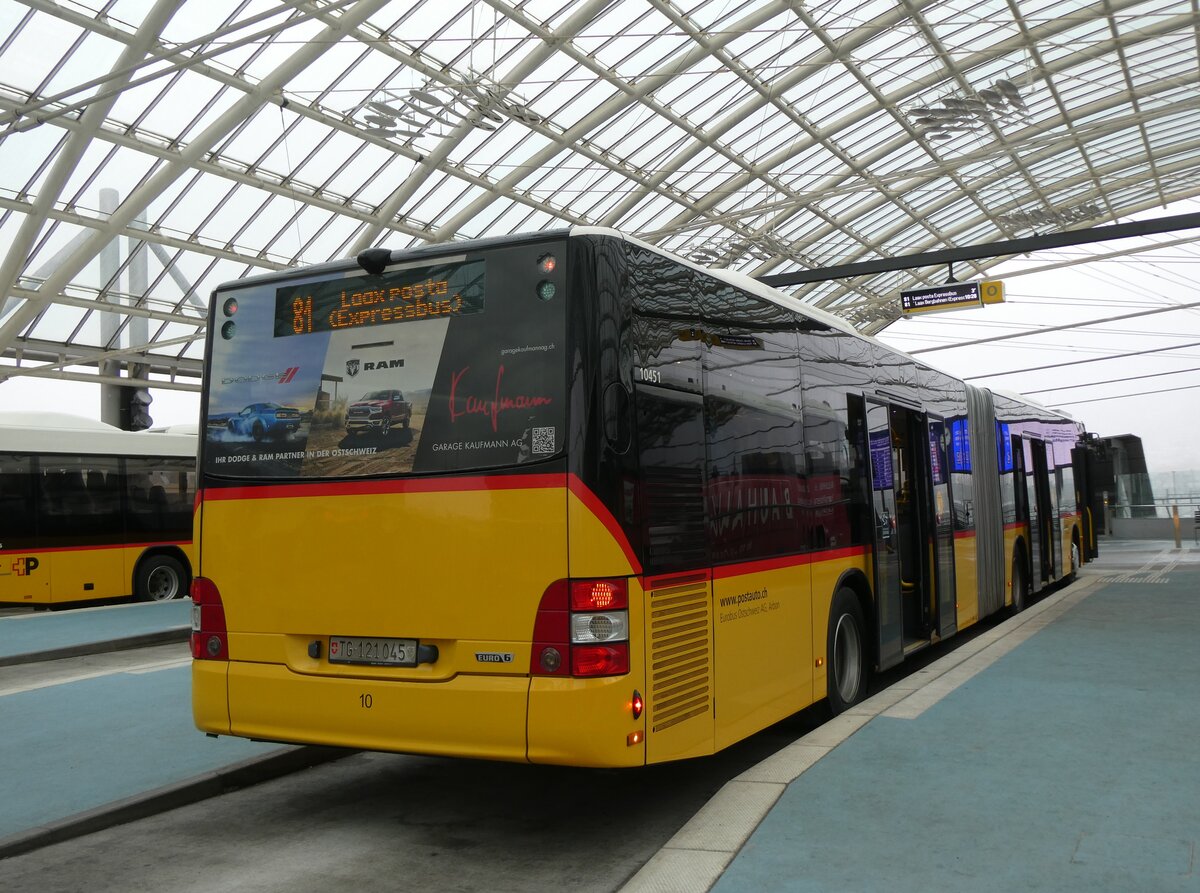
[
  {"x": 593, "y": 504},
  {"x": 367, "y": 488},
  {"x": 726, "y": 571},
  {"x": 40, "y": 549}
]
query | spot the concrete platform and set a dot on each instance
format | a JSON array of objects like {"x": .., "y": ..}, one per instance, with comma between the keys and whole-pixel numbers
[{"x": 1059, "y": 751}]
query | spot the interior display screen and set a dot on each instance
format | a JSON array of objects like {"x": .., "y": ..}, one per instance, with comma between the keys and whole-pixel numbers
[
  {"x": 960, "y": 447},
  {"x": 332, "y": 305}
]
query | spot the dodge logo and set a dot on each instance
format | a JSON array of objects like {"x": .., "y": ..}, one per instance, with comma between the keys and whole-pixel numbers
[{"x": 352, "y": 368}]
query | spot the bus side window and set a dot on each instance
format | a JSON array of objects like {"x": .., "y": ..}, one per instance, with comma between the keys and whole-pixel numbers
[
  {"x": 106, "y": 502},
  {"x": 16, "y": 500}
]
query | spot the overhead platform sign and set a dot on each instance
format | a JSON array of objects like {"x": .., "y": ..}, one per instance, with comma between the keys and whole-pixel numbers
[{"x": 951, "y": 296}]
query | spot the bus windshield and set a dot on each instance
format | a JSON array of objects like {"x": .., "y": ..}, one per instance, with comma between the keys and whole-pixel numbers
[{"x": 447, "y": 365}]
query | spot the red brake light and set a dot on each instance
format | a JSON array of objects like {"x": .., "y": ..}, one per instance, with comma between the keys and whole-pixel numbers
[
  {"x": 600, "y": 660},
  {"x": 210, "y": 639},
  {"x": 599, "y": 595},
  {"x": 204, "y": 591},
  {"x": 551, "y": 633},
  {"x": 565, "y": 629}
]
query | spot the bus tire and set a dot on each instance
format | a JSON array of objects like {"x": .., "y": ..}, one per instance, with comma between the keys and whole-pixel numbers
[
  {"x": 159, "y": 578},
  {"x": 847, "y": 673},
  {"x": 1020, "y": 583},
  {"x": 1074, "y": 556}
]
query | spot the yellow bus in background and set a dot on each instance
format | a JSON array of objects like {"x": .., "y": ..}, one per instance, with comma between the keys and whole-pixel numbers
[
  {"x": 89, "y": 512},
  {"x": 565, "y": 498}
]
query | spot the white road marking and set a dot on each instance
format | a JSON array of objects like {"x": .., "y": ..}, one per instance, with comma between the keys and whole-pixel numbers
[{"x": 16, "y": 686}]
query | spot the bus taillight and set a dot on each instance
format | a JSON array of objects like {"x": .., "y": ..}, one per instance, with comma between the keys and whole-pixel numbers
[
  {"x": 587, "y": 620},
  {"x": 210, "y": 640},
  {"x": 599, "y": 595},
  {"x": 600, "y": 660}
]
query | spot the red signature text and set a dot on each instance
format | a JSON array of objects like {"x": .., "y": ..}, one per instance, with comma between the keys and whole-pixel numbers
[{"x": 492, "y": 407}]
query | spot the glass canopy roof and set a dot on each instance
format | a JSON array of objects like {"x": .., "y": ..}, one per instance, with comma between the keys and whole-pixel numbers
[{"x": 151, "y": 150}]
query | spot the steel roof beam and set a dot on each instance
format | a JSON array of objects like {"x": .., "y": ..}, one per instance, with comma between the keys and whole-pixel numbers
[
  {"x": 17, "y": 255},
  {"x": 151, "y": 188},
  {"x": 946, "y": 256}
]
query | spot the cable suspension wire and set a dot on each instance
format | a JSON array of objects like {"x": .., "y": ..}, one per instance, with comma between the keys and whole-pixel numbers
[
  {"x": 1092, "y": 384},
  {"x": 1063, "y": 328},
  {"x": 1190, "y": 387},
  {"x": 1115, "y": 356}
]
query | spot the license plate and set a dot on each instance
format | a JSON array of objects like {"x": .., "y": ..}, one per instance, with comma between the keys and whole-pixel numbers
[{"x": 374, "y": 652}]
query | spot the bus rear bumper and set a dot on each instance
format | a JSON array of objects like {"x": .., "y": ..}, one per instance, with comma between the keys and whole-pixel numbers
[{"x": 467, "y": 716}]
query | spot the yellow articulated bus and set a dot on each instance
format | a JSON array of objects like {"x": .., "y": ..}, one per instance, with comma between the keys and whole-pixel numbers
[
  {"x": 89, "y": 512},
  {"x": 564, "y": 498}
]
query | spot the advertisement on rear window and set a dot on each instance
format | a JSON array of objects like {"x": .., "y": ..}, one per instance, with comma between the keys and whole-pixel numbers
[{"x": 443, "y": 367}]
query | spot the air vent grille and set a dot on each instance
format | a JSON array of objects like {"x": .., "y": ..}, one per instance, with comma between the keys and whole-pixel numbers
[{"x": 680, "y": 650}]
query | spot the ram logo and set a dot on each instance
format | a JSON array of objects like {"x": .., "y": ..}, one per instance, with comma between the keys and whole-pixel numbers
[{"x": 494, "y": 657}]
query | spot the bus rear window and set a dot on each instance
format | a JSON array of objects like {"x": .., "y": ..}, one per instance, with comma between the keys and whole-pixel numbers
[{"x": 443, "y": 365}]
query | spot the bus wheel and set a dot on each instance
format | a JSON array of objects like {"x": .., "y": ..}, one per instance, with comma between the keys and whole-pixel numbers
[
  {"x": 1074, "y": 559},
  {"x": 160, "y": 578},
  {"x": 1020, "y": 585},
  {"x": 847, "y": 673}
]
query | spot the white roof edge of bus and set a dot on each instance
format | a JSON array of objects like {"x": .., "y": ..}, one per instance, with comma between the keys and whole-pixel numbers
[
  {"x": 36, "y": 418},
  {"x": 37, "y": 431},
  {"x": 190, "y": 428}
]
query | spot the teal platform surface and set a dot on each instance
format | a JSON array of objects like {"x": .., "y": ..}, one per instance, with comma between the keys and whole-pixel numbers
[
  {"x": 1071, "y": 763},
  {"x": 27, "y": 636},
  {"x": 1055, "y": 750},
  {"x": 87, "y": 732},
  {"x": 77, "y": 746}
]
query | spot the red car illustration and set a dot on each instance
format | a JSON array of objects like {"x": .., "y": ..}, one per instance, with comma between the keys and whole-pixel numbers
[{"x": 378, "y": 411}]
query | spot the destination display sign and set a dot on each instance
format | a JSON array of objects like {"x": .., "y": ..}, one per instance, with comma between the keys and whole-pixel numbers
[
  {"x": 951, "y": 296},
  {"x": 361, "y": 301}
]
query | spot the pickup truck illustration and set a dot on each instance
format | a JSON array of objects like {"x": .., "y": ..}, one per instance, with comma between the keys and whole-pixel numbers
[{"x": 377, "y": 412}]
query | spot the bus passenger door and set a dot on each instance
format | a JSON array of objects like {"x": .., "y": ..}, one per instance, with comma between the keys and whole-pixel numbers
[
  {"x": 1083, "y": 488},
  {"x": 1041, "y": 548},
  {"x": 943, "y": 527},
  {"x": 1022, "y": 502},
  {"x": 1054, "y": 487},
  {"x": 888, "y": 607},
  {"x": 911, "y": 484}
]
